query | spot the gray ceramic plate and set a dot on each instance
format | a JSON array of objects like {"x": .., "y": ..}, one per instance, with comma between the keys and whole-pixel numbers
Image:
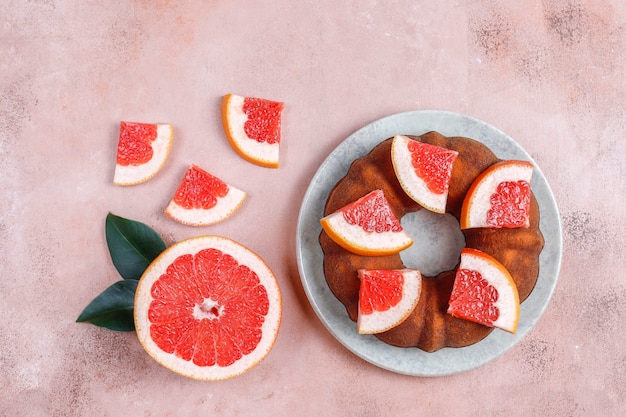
[{"x": 412, "y": 361}]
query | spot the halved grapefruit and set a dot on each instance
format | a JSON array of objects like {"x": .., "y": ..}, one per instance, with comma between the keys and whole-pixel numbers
[
  {"x": 208, "y": 308},
  {"x": 386, "y": 298},
  {"x": 484, "y": 292},
  {"x": 499, "y": 197},
  {"x": 203, "y": 199},
  {"x": 424, "y": 171},
  {"x": 252, "y": 126},
  {"x": 142, "y": 150},
  {"x": 367, "y": 227}
]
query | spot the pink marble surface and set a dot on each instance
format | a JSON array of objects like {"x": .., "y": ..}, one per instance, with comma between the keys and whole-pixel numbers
[{"x": 549, "y": 73}]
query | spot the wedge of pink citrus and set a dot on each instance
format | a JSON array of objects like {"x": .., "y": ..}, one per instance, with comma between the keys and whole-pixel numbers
[
  {"x": 253, "y": 128},
  {"x": 142, "y": 150},
  {"x": 203, "y": 199},
  {"x": 386, "y": 298},
  {"x": 484, "y": 292},
  {"x": 499, "y": 197},
  {"x": 367, "y": 227},
  {"x": 424, "y": 171},
  {"x": 208, "y": 308}
]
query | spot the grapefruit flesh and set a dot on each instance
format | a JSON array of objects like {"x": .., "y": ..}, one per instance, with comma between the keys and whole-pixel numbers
[
  {"x": 142, "y": 150},
  {"x": 484, "y": 292},
  {"x": 208, "y": 308},
  {"x": 424, "y": 171},
  {"x": 367, "y": 227},
  {"x": 499, "y": 197},
  {"x": 253, "y": 128},
  {"x": 386, "y": 298},
  {"x": 203, "y": 199}
]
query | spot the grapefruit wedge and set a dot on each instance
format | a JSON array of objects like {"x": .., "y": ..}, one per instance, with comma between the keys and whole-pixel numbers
[
  {"x": 499, "y": 197},
  {"x": 386, "y": 298},
  {"x": 424, "y": 171},
  {"x": 142, "y": 150},
  {"x": 203, "y": 199},
  {"x": 208, "y": 308},
  {"x": 484, "y": 292},
  {"x": 252, "y": 126},
  {"x": 367, "y": 227}
]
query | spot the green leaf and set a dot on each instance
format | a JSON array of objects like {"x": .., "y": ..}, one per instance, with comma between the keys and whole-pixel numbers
[
  {"x": 113, "y": 308},
  {"x": 132, "y": 245}
]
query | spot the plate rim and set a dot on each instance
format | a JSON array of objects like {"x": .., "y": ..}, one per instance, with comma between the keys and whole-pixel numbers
[{"x": 407, "y": 360}]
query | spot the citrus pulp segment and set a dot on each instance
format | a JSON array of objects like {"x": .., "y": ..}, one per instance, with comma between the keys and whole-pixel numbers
[
  {"x": 142, "y": 150},
  {"x": 484, "y": 292},
  {"x": 203, "y": 199},
  {"x": 386, "y": 298},
  {"x": 253, "y": 128},
  {"x": 424, "y": 171},
  {"x": 208, "y": 308},
  {"x": 499, "y": 197},
  {"x": 367, "y": 227}
]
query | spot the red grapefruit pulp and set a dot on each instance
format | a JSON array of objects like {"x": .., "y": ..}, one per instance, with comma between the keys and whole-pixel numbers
[
  {"x": 253, "y": 128},
  {"x": 499, "y": 197},
  {"x": 367, "y": 226},
  {"x": 424, "y": 171},
  {"x": 386, "y": 298},
  {"x": 142, "y": 150},
  {"x": 484, "y": 292},
  {"x": 208, "y": 308},
  {"x": 203, "y": 199}
]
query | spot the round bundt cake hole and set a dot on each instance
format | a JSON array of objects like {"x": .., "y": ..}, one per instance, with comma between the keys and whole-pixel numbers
[{"x": 437, "y": 242}]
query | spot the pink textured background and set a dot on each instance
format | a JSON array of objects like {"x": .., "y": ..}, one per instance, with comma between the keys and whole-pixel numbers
[{"x": 551, "y": 74}]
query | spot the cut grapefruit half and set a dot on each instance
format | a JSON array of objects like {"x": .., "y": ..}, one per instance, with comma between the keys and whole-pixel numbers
[
  {"x": 142, "y": 150},
  {"x": 367, "y": 227},
  {"x": 484, "y": 292},
  {"x": 424, "y": 171},
  {"x": 208, "y": 308},
  {"x": 386, "y": 298},
  {"x": 499, "y": 197},
  {"x": 203, "y": 199},
  {"x": 252, "y": 126}
]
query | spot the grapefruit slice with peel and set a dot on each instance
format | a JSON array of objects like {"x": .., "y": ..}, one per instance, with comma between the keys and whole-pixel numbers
[
  {"x": 252, "y": 126},
  {"x": 499, "y": 197},
  {"x": 386, "y": 298},
  {"x": 203, "y": 199},
  {"x": 484, "y": 292},
  {"x": 208, "y": 308},
  {"x": 367, "y": 227},
  {"x": 424, "y": 171},
  {"x": 142, "y": 150}
]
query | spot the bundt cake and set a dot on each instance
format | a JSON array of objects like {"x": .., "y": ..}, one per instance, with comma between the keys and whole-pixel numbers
[{"x": 429, "y": 327}]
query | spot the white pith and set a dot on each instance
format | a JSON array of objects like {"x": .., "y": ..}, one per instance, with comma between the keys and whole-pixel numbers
[
  {"x": 262, "y": 151},
  {"x": 354, "y": 235},
  {"x": 135, "y": 174},
  {"x": 380, "y": 321},
  {"x": 203, "y": 217},
  {"x": 414, "y": 186},
  {"x": 479, "y": 199},
  {"x": 508, "y": 299},
  {"x": 244, "y": 256}
]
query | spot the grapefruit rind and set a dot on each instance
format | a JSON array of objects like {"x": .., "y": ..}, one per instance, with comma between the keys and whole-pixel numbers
[
  {"x": 226, "y": 206},
  {"x": 498, "y": 276},
  {"x": 137, "y": 174},
  {"x": 414, "y": 186},
  {"x": 381, "y": 321},
  {"x": 244, "y": 256},
  {"x": 477, "y": 200},
  {"x": 234, "y": 118}
]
